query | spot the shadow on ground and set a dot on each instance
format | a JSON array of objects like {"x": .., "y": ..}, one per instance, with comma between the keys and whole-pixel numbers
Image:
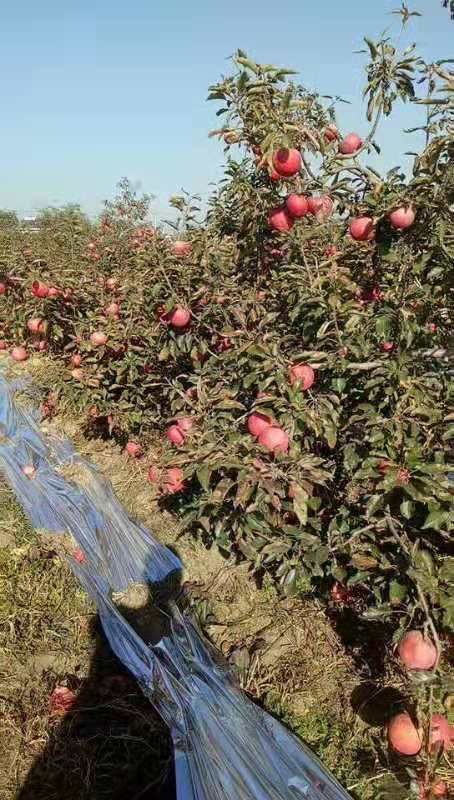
[{"x": 110, "y": 744}]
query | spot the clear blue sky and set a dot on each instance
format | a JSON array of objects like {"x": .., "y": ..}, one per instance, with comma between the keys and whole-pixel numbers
[{"x": 91, "y": 90}]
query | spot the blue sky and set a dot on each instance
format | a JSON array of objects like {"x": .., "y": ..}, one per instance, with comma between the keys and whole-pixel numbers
[{"x": 96, "y": 89}]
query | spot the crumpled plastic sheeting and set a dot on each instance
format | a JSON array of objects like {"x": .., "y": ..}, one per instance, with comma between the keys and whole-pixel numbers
[{"x": 226, "y": 748}]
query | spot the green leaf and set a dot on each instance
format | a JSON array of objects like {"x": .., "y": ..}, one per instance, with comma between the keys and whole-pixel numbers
[
  {"x": 397, "y": 592},
  {"x": 351, "y": 457},
  {"x": 222, "y": 489},
  {"x": 290, "y": 583},
  {"x": 339, "y": 573},
  {"x": 322, "y": 555},
  {"x": 248, "y": 63},
  {"x": 217, "y": 95},
  {"x": 424, "y": 561},
  {"x": 274, "y": 550},
  {"x": 364, "y": 366},
  {"x": 383, "y": 326},
  {"x": 447, "y": 604},
  {"x": 203, "y": 476},
  {"x": 300, "y": 503},
  {"x": 382, "y": 612},
  {"x": 372, "y": 47},
  {"x": 244, "y": 492},
  {"x": 407, "y": 509},
  {"x": 227, "y": 404},
  {"x": 437, "y": 520},
  {"x": 247, "y": 549},
  {"x": 446, "y": 573},
  {"x": 375, "y": 502},
  {"x": 339, "y": 384},
  {"x": 364, "y": 562}
]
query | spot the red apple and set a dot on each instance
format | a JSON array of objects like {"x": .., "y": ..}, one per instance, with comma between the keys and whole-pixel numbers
[
  {"x": 402, "y": 218},
  {"x": 181, "y": 248},
  {"x": 153, "y": 475},
  {"x": 175, "y": 435},
  {"x": 257, "y": 423},
  {"x": 351, "y": 144},
  {"x": 331, "y": 132},
  {"x": 320, "y": 206},
  {"x": 297, "y": 205},
  {"x": 133, "y": 449},
  {"x": 280, "y": 220},
  {"x": 173, "y": 481},
  {"x": 62, "y": 700},
  {"x": 35, "y": 325},
  {"x": 39, "y": 289},
  {"x": 417, "y": 652},
  {"x": 112, "y": 310},
  {"x": 98, "y": 339},
  {"x": 274, "y": 175},
  {"x": 2, "y": 288},
  {"x": 273, "y": 438},
  {"x": 441, "y": 733},
  {"x": 362, "y": 229},
  {"x": 19, "y": 354},
  {"x": 302, "y": 374},
  {"x": 403, "y": 735},
  {"x": 179, "y": 317},
  {"x": 287, "y": 162},
  {"x": 440, "y": 789}
]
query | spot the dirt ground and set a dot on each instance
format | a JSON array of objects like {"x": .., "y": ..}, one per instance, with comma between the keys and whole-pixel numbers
[{"x": 286, "y": 654}]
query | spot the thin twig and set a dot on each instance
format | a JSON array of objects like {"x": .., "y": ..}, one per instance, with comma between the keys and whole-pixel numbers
[{"x": 430, "y": 621}]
